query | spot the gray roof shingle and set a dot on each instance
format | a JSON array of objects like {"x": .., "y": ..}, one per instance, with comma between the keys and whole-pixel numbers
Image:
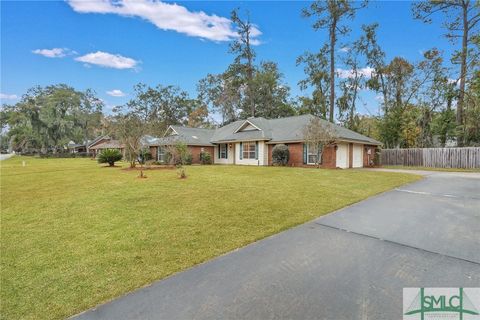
[
  {"x": 190, "y": 136},
  {"x": 288, "y": 129}
]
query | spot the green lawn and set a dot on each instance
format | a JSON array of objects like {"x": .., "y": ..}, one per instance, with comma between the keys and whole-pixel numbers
[
  {"x": 432, "y": 169},
  {"x": 75, "y": 234}
]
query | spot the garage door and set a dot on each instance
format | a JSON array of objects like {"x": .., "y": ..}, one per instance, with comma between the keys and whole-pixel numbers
[
  {"x": 342, "y": 155},
  {"x": 357, "y": 156}
]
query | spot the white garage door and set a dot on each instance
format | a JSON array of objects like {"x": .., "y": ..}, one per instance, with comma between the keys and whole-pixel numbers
[
  {"x": 342, "y": 155},
  {"x": 357, "y": 156}
]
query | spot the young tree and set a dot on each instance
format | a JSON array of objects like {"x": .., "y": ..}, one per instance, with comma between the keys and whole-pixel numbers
[
  {"x": 130, "y": 128},
  {"x": 331, "y": 15},
  {"x": 461, "y": 22},
  {"x": 319, "y": 133}
]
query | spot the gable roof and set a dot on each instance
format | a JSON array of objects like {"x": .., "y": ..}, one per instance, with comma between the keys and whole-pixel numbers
[
  {"x": 190, "y": 136},
  {"x": 109, "y": 144},
  {"x": 289, "y": 129},
  {"x": 97, "y": 140}
]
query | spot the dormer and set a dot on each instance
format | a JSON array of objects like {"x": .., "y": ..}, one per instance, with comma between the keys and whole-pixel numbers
[
  {"x": 247, "y": 126},
  {"x": 170, "y": 132}
]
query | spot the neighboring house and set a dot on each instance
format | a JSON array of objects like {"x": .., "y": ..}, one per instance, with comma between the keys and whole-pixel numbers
[
  {"x": 76, "y": 147},
  {"x": 250, "y": 142},
  {"x": 104, "y": 142}
]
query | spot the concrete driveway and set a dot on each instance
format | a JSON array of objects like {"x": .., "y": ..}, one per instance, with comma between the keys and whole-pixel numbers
[{"x": 350, "y": 264}]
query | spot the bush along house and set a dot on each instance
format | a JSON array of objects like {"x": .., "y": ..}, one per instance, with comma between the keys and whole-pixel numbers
[{"x": 251, "y": 141}]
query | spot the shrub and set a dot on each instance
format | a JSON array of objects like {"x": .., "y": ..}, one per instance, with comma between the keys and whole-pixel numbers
[
  {"x": 280, "y": 155},
  {"x": 179, "y": 154},
  {"x": 63, "y": 155},
  {"x": 144, "y": 156},
  {"x": 205, "y": 158},
  {"x": 110, "y": 156}
]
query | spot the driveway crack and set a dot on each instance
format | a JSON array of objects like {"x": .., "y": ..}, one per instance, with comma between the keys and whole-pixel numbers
[{"x": 395, "y": 243}]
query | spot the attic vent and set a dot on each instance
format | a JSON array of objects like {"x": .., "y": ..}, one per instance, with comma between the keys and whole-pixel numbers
[{"x": 194, "y": 137}]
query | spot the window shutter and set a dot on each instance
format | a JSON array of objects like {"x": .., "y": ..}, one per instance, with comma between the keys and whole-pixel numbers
[
  {"x": 256, "y": 150},
  {"x": 218, "y": 151},
  {"x": 226, "y": 150},
  {"x": 304, "y": 153},
  {"x": 241, "y": 151}
]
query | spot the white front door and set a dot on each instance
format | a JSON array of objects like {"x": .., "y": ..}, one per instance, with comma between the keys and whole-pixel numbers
[{"x": 342, "y": 155}]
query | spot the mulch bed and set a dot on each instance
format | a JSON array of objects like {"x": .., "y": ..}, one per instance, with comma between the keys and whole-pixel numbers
[{"x": 138, "y": 168}]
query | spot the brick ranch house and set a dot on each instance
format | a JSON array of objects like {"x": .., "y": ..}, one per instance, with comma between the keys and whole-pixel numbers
[
  {"x": 250, "y": 142},
  {"x": 104, "y": 142}
]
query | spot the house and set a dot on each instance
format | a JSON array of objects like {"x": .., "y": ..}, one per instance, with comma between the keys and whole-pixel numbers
[
  {"x": 198, "y": 140},
  {"x": 76, "y": 147},
  {"x": 251, "y": 141},
  {"x": 104, "y": 142}
]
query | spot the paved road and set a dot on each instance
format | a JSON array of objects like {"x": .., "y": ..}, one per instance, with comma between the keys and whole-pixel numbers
[
  {"x": 6, "y": 156},
  {"x": 351, "y": 264}
]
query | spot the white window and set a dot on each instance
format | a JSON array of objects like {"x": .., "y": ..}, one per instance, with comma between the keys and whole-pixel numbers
[
  {"x": 312, "y": 154},
  {"x": 223, "y": 151},
  {"x": 249, "y": 150},
  {"x": 161, "y": 154}
]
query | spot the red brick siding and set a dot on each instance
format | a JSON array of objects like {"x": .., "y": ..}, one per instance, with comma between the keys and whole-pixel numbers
[
  {"x": 296, "y": 155},
  {"x": 367, "y": 158},
  {"x": 350, "y": 155},
  {"x": 196, "y": 150},
  {"x": 329, "y": 157},
  {"x": 153, "y": 152}
]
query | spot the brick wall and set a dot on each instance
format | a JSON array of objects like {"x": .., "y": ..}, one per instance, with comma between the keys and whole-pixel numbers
[
  {"x": 329, "y": 157},
  {"x": 153, "y": 152},
  {"x": 350, "y": 155},
  {"x": 296, "y": 155},
  {"x": 196, "y": 150},
  {"x": 369, "y": 158}
]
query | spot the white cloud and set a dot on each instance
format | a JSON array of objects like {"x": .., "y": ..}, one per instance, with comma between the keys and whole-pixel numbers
[
  {"x": 167, "y": 16},
  {"x": 108, "y": 60},
  {"x": 54, "y": 53},
  {"x": 455, "y": 81},
  {"x": 116, "y": 93},
  {"x": 6, "y": 96},
  {"x": 344, "y": 73},
  {"x": 344, "y": 49}
]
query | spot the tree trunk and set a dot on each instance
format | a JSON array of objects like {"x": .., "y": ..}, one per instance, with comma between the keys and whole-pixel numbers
[
  {"x": 250, "y": 73},
  {"x": 463, "y": 75},
  {"x": 332, "y": 69}
]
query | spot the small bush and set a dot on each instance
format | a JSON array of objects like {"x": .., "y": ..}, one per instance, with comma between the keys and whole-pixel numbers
[
  {"x": 280, "y": 155},
  {"x": 205, "y": 158},
  {"x": 110, "y": 156},
  {"x": 182, "y": 173},
  {"x": 144, "y": 156},
  {"x": 179, "y": 154},
  {"x": 64, "y": 155}
]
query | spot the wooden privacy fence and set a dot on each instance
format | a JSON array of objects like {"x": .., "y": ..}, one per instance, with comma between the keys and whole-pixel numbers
[{"x": 432, "y": 157}]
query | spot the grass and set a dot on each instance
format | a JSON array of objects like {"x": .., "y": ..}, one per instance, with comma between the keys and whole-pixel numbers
[
  {"x": 75, "y": 234},
  {"x": 432, "y": 169}
]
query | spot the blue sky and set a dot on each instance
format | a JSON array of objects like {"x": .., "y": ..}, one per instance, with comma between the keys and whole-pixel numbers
[{"x": 177, "y": 45}]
